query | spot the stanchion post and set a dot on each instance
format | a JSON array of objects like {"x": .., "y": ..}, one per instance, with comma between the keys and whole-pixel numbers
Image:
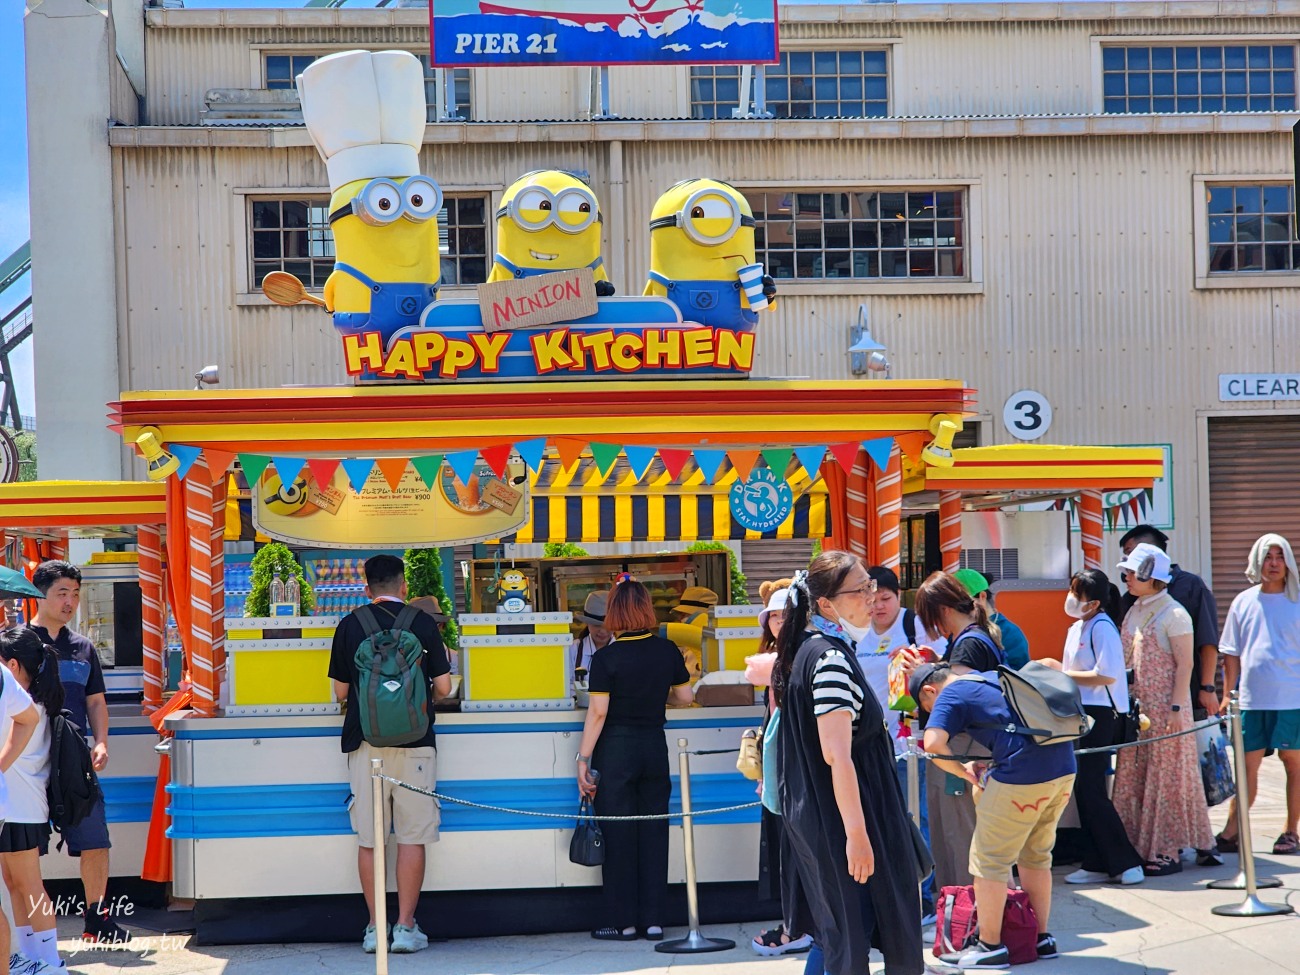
[
  {"x": 694, "y": 942},
  {"x": 913, "y": 782},
  {"x": 381, "y": 864},
  {"x": 1252, "y": 906}
]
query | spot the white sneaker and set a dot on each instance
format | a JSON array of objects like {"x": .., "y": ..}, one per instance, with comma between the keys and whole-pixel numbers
[
  {"x": 370, "y": 940},
  {"x": 1131, "y": 876},
  {"x": 32, "y": 967},
  {"x": 1088, "y": 877},
  {"x": 407, "y": 941}
]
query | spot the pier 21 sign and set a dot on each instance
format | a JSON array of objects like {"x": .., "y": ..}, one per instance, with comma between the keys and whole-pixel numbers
[{"x": 488, "y": 33}]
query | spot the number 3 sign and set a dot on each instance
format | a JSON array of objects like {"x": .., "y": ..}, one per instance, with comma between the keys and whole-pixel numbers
[{"x": 1027, "y": 415}]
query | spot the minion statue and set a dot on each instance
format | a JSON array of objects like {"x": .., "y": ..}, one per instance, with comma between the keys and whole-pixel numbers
[
  {"x": 549, "y": 220},
  {"x": 365, "y": 112},
  {"x": 702, "y": 255}
]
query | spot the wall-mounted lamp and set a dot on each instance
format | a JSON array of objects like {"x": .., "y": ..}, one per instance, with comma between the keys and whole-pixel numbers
[
  {"x": 865, "y": 353},
  {"x": 938, "y": 453},
  {"x": 162, "y": 464},
  {"x": 208, "y": 375}
]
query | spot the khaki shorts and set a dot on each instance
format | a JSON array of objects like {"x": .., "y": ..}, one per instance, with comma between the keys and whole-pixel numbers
[
  {"x": 1017, "y": 824},
  {"x": 412, "y": 817}
]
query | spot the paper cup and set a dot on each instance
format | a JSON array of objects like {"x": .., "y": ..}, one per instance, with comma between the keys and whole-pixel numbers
[{"x": 751, "y": 279}]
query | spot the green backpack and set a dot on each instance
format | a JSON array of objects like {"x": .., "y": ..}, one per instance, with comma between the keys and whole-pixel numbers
[{"x": 392, "y": 690}]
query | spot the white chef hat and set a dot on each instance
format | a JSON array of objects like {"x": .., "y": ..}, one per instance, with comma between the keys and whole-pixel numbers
[{"x": 365, "y": 112}]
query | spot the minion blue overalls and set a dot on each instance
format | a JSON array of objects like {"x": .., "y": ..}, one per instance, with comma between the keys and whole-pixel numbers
[
  {"x": 393, "y": 304},
  {"x": 532, "y": 272},
  {"x": 712, "y": 303}
]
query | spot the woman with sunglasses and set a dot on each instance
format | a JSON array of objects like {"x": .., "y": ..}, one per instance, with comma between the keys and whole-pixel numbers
[{"x": 856, "y": 876}]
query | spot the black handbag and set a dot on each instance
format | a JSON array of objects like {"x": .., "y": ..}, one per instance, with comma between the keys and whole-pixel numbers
[{"x": 587, "y": 848}]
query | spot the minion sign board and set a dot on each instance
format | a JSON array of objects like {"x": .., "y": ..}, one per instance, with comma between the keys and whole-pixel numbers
[{"x": 487, "y": 33}]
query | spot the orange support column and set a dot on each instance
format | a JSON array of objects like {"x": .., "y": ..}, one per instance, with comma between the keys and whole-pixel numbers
[
  {"x": 153, "y": 617},
  {"x": 59, "y": 547},
  {"x": 205, "y": 505},
  {"x": 1090, "y": 528},
  {"x": 950, "y": 529},
  {"x": 889, "y": 504}
]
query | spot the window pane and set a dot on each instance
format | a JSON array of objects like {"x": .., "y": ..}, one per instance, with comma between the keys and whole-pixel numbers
[
  {"x": 1112, "y": 58},
  {"x": 1220, "y": 199},
  {"x": 1284, "y": 56},
  {"x": 1249, "y": 199},
  {"x": 1139, "y": 57},
  {"x": 1162, "y": 58},
  {"x": 804, "y": 84}
]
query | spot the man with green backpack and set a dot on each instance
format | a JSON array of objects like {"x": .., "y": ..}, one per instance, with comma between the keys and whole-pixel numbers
[{"x": 388, "y": 665}]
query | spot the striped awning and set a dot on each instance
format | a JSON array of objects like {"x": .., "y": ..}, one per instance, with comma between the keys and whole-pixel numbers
[
  {"x": 582, "y": 505},
  {"x": 86, "y": 506}
]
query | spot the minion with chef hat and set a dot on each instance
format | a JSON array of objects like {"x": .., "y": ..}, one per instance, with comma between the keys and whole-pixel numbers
[
  {"x": 702, "y": 255},
  {"x": 549, "y": 220},
  {"x": 365, "y": 112}
]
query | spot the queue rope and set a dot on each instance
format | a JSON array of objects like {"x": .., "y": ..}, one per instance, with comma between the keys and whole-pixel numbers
[
  {"x": 1207, "y": 723},
  {"x": 569, "y": 817}
]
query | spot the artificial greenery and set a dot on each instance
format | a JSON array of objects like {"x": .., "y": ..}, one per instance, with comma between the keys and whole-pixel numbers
[
  {"x": 424, "y": 578},
  {"x": 739, "y": 590},
  {"x": 563, "y": 550},
  {"x": 269, "y": 559},
  {"x": 817, "y": 547},
  {"x": 25, "y": 441}
]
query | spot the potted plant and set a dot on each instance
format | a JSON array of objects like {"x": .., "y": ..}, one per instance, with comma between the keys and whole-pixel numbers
[{"x": 270, "y": 559}]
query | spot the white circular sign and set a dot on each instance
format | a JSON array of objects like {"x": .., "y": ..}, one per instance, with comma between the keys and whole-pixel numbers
[{"x": 1027, "y": 415}]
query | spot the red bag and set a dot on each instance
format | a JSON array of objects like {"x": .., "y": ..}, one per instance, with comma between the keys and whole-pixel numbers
[{"x": 957, "y": 924}]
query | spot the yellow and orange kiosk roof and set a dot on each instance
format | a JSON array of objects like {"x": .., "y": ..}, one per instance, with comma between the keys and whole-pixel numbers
[{"x": 85, "y": 507}]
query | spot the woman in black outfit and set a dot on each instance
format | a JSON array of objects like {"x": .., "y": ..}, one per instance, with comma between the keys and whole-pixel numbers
[
  {"x": 856, "y": 862},
  {"x": 945, "y": 607},
  {"x": 630, "y": 682}
]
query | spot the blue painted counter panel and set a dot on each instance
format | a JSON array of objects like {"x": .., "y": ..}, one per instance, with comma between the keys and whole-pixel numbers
[
  {"x": 128, "y": 799},
  {"x": 215, "y": 812}
]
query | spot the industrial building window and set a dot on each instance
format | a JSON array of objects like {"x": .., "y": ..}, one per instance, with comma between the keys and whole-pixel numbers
[
  {"x": 293, "y": 235},
  {"x": 860, "y": 234},
  {"x": 282, "y": 70},
  {"x": 1199, "y": 78},
  {"x": 1251, "y": 228},
  {"x": 805, "y": 84}
]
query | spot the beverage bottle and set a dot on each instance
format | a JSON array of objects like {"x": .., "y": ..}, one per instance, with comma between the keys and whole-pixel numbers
[
  {"x": 277, "y": 588},
  {"x": 293, "y": 592}
]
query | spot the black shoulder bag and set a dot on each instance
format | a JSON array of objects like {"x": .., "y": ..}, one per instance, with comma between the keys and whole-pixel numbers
[
  {"x": 1128, "y": 724},
  {"x": 587, "y": 848}
]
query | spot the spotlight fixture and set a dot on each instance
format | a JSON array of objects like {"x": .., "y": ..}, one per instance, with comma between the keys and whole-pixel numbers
[
  {"x": 162, "y": 464},
  {"x": 209, "y": 375}
]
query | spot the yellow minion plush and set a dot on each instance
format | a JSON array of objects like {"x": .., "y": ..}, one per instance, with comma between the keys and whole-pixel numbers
[
  {"x": 365, "y": 112},
  {"x": 512, "y": 592},
  {"x": 548, "y": 221},
  {"x": 702, "y": 255}
]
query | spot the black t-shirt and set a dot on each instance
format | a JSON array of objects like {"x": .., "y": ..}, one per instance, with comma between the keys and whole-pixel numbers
[
  {"x": 343, "y": 665},
  {"x": 79, "y": 670},
  {"x": 637, "y": 671},
  {"x": 974, "y": 648}
]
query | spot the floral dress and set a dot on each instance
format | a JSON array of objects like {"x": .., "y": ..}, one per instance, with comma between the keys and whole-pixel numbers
[{"x": 1158, "y": 791}]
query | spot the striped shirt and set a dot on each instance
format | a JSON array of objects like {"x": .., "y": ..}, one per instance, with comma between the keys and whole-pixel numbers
[{"x": 835, "y": 687}]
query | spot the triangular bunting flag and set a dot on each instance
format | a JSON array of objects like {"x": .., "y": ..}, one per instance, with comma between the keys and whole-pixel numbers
[
  {"x": 1142, "y": 502},
  {"x": 605, "y": 455},
  {"x": 674, "y": 461},
  {"x": 288, "y": 468},
  {"x": 428, "y": 468},
  {"x": 532, "y": 451},
  {"x": 879, "y": 451},
  {"x": 187, "y": 455},
  {"x": 322, "y": 470},
  {"x": 219, "y": 462},
  {"x": 1151, "y": 495},
  {"x": 358, "y": 471},
  {"x": 497, "y": 458},
  {"x": 810, "y": 459},
  {"x": 912, "y": 444},
  {"x": 392, "y": 468},
  {"x": 639, "y": 459},
  {"x": 846, "y": 454},
  {"x": 569, "y": 450},
  {"x": 253, "y": 465},
  {"x": 778, "y": 460},
  {"x": 709, "y": 462},
  {"x": 462, "y": 464},
  {"x": 1133, "y": 507},
  {"x": 743, "y": 461}
]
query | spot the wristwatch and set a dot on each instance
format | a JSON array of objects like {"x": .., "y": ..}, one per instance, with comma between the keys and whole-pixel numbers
[
  {"x": 1175, "y": 707},
  {"x": 1209, "y": 687},
  {"x": 584, "y": 759}
]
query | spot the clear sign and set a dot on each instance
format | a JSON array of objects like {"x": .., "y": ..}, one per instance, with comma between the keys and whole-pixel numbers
[
  {"x": 1236, "y": 387},
  {"x": 492, "y": 33}
]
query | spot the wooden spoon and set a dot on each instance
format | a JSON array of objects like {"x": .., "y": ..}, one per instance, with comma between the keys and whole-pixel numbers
[{"x": 284, "y": 289}]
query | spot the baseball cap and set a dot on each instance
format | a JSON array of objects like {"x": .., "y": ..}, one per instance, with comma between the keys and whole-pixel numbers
[
  {"x": 885, "y": 578},
  {"x": 918, "y": 679},
  {"x": 974, "y": 582},
  {"x": 1148, "y": 562}
]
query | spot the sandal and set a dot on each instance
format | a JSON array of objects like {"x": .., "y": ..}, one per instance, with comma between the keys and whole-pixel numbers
[
  {"x": 1208, "y": 858},
  {"x": 654, "y": 932},
  {"x": 1287, "y": 844},
  {"x": 613, "y": 934},
  {"x": 1227, "y": 844},
  {"x": 1162, "y": 866}
]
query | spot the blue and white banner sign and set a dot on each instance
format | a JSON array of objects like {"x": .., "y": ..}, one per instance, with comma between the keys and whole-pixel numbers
[{"x": 487, "y": 33}]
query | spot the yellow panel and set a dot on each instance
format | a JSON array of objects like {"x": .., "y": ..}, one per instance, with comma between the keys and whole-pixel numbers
[
  {"x": 517, "y": 673},
  {"x": 730, "y": 653},
  {"x": 468, "y": 630},
  {"x": 242, "y": 635},
  {"x": 318, "y": 632},
  {"x": 282, "y": 677}
]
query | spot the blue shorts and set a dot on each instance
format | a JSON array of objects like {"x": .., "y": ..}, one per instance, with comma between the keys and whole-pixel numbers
[
  {"x": 1278, "y": 730},
  {"x": 89, "y": 834}
]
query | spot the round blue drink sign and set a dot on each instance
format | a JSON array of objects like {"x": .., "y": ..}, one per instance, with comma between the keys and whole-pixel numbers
[{"x": 762, "y": 502}]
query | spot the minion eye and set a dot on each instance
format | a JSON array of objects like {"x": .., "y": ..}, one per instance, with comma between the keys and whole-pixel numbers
[
  {"x": 697, "y": 212},
  {"x": 584, "y": 207},
  {"x": 575, "y": 210},
  {"x": 544, "y": 205},
  {"x": 422, "y": 198},
  {"x": 380, "y": 202},
  {"x": 714, "y": 206}
]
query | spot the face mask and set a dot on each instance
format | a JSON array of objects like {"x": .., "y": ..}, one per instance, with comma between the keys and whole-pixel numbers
[
  {"x": 854, "y": 633},
  {"x": 1075, "y": 607}
]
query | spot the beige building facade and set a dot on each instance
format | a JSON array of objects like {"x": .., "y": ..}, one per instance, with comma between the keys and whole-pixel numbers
[{"x": 1091, "y": 201}]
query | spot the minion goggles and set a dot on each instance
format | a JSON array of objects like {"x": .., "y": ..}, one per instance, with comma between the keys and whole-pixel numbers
[
  {"x": 692, "y": 210},
  {"x": 382, "y": 201},
  {"x": 562, "y": 210}
]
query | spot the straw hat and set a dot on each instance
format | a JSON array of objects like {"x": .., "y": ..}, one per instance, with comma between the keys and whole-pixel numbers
[{"x": 695, "y": 599}]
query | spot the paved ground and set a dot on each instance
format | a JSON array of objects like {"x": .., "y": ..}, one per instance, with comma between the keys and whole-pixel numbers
[{"x": 1163, "y": 927}]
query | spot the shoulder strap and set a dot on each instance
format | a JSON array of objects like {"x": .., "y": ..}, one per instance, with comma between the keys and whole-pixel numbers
[
  {"x": 366, "y": 617},
  {"x": 658, "y": 278},
  {"x": 349, "y": 270},
  {"x": 1096, "y": 661},
  {"x": 510, "y": 266},
  {"x": 405, "y": 619},
  {"x": 909, "y": 626}
]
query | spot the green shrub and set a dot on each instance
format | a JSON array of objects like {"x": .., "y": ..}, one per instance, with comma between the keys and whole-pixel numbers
[
  {"x": 268, "y": 560},
  {"x": 563, "y": 550},
  {"x": 424, "y": 578},
  {"x": 739, "y": 586}
]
